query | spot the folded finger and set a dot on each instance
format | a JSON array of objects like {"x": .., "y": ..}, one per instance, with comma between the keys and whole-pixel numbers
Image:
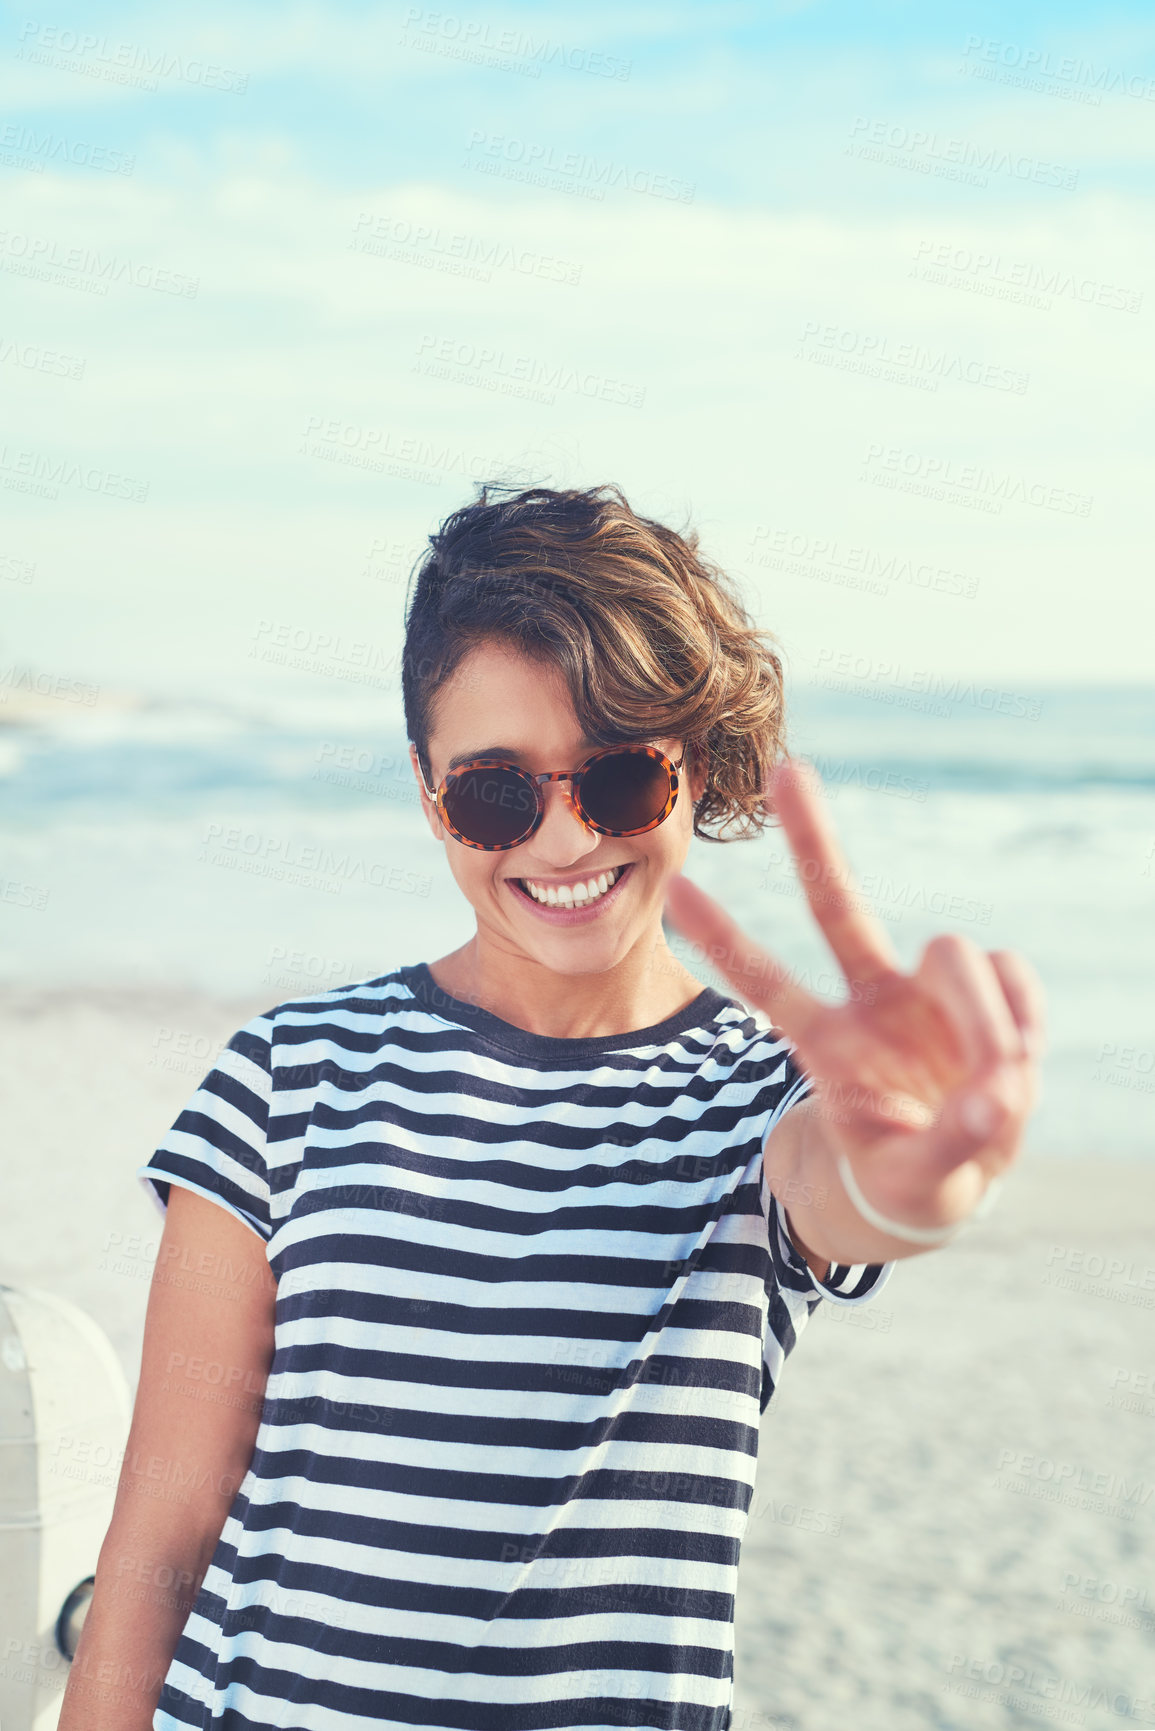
[
  {"x": 1023, "y": 991},
  {"x": 963, "y": 982},
  {"x": 975, "y": 1137}
]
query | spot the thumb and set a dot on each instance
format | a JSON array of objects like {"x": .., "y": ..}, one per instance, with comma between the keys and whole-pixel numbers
[{"x": 977, "y": 1122}]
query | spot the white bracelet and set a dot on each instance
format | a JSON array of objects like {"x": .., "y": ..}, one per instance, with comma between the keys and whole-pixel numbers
[{"x": 911, "y": 1234}]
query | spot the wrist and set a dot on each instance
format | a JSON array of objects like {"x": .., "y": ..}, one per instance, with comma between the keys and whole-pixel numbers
[{"x": 925, "y": 1237}]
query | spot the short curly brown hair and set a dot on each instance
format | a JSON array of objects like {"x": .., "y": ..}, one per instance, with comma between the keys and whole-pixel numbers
[{"x": 652, "y": 641}]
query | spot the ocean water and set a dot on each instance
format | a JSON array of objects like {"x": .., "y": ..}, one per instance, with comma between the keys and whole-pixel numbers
[{"x": 270, "y": 846}]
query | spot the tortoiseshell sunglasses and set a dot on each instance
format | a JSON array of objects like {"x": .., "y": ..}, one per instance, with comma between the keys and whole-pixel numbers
[{"x": 493, "y": 804}]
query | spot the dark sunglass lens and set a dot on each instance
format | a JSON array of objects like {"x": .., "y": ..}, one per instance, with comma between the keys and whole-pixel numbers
[
  {"x": 490, "y": 806},
  {"x": 625, "y": 791}
]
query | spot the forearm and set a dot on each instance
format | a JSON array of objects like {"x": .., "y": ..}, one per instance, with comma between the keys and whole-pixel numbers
[{"x": 141, "y": 1601}]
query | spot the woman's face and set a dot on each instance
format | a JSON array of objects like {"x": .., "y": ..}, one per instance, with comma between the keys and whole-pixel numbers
[{"x": 501, "y": 701}]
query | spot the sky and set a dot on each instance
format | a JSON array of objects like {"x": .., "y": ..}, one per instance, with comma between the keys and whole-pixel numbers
[{"x": 863, "y": 293}]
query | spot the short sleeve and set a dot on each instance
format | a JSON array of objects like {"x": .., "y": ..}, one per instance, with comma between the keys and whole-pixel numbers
[
  {"x": 217, "y": 1146},
  {"x": 845, "y": 1283}
]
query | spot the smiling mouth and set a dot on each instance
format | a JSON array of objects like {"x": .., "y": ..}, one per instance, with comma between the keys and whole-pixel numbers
[{"x": 573, "y": 895}]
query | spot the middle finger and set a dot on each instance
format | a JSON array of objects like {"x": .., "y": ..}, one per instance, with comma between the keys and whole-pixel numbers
[{"x": 863, "y": 949}]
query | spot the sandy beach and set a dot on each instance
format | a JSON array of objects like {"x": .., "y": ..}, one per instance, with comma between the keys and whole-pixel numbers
[{"x": 954, "y": 1520}]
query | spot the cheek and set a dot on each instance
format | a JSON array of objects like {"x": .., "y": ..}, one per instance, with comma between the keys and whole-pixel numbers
[
  {"x": 666, "y": 847},
  {"x": 470, "y": 867},
  {"x": 475, "y": 873}
]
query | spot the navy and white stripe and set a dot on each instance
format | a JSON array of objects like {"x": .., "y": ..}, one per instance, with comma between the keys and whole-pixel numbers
[{"x": 533, "y": 1295}]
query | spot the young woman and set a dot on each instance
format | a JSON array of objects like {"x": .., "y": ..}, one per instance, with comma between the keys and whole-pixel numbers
[{"x": 522, "y": 1237}]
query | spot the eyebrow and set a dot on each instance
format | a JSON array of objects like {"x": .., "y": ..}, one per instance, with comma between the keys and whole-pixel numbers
[{"x": 509, "y": 751}]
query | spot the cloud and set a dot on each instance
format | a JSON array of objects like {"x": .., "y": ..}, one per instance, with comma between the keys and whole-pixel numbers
[{"x": 308, "y": 351}]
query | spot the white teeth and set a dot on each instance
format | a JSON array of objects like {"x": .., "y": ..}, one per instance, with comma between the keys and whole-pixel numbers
[{"x": 573, "y": 895}]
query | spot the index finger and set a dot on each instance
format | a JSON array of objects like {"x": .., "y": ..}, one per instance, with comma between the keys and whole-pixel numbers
[
  {"x": 862, "y": 948},
  {"x": 757, "y": 975}
]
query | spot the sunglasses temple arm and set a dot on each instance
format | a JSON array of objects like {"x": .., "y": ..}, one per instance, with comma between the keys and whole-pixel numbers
[{"x": 431, "y": 791}]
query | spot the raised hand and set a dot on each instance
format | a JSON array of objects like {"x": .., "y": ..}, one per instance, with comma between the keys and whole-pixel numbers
[{"x": 923, "y": 1081}]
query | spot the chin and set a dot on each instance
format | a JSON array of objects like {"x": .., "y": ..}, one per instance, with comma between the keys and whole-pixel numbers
[{"x": 588, "y": 956}]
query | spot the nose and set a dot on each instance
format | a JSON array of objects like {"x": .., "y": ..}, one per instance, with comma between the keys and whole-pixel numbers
[{"x": 561, "y": 838}]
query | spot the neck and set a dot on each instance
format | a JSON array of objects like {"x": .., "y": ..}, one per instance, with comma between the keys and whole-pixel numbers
[{"x": 648, "y": 985}]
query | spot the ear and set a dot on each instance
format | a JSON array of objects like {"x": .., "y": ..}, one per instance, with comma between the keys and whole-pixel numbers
[
  {"x": 427, "y": 805},
  {"x": 696, "y": 764}
]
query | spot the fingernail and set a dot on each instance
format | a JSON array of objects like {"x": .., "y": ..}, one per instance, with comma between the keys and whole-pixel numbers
[{"x": 978, "y": 1114}]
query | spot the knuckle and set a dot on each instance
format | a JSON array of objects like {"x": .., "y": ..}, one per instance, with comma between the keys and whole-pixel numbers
[
  {"x": 992, "y": 1047},
  {"x": 948, "y": 948}
]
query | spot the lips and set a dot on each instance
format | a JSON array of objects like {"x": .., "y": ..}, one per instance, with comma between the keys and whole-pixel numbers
[
  {"x": 575, "y": 909},
  {"x": 571, "y": 895}
]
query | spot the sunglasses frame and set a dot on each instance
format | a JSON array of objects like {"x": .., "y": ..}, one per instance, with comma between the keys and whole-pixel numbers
[{"x": 572, "y": 792}]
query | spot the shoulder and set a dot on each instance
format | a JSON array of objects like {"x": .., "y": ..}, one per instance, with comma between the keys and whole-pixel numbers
[
  {"x": 749, "y": 1034},
  {"x": 320, "y": 1015}
]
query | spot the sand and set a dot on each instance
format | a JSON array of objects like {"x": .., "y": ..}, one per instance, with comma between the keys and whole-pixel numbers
[{"x": 954, "y": 1520}]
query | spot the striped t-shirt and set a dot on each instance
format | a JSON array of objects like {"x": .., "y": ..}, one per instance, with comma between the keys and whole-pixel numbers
[{"x": 533, "y": 1295}]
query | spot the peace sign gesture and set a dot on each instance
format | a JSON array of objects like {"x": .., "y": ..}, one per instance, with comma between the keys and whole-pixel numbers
[{"x": 922, "y": 1082}]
